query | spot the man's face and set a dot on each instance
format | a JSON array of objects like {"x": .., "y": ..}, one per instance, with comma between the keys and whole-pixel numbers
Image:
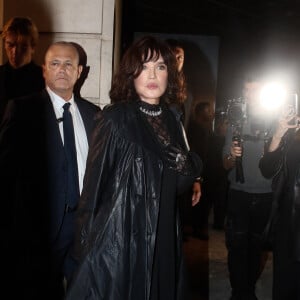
[
  {"x": 205, "y": 116},
  {"x": 18, "y": 50},
  {"x": 251, "y": 93},
  {"x": 61, "y": 70}
]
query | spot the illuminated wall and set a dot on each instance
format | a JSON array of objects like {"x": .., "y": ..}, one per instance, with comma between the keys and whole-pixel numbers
[{"x": 89, "y": 23}]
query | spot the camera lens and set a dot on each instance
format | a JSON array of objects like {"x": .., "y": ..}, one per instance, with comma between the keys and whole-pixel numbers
[{"x": 235, "y": 113}]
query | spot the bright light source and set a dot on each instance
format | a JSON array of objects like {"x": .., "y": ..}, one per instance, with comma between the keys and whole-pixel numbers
[{"x": 272, "y": 96}]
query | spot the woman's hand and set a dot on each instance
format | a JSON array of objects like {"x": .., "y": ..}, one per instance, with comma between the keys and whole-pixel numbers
[
  {"x": 196, "y": 193},
  {"x": 283, "y": 125}
]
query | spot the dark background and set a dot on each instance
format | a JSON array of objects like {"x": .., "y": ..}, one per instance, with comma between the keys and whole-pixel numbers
[{"x": 258, "y": 35}]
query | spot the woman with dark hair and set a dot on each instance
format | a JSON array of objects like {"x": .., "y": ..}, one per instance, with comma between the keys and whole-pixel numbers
[{"x": 129, "y": 238}]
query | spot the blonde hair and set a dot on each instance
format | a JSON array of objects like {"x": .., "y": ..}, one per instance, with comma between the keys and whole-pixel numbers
[{"x": 21, "y": 26}]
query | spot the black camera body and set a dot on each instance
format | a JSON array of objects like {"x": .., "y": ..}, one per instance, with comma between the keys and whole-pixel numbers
[
  {"x": 236, "y": 111},
  {"x": 237, "y": 139},
  {"x": 237, "y": 114}
]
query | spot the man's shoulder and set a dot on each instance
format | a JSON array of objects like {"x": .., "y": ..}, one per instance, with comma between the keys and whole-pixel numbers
[
  {"x": 87, "y": 104},
  {"x": 26, "y": 107},
  {"x": 3, "y": 68},
  {"x": 36, "y": 96},
  {"x": 34, "y": 66}
]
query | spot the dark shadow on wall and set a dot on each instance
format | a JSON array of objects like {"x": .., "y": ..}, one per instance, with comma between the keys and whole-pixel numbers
[
  {"x": 198, "y": 71},
  {"x": 85, "y": 69},
  {"x": 200, "y": 77}
]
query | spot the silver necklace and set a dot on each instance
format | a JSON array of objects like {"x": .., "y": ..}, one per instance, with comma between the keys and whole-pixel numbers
[{"x": 151, "y": 113}]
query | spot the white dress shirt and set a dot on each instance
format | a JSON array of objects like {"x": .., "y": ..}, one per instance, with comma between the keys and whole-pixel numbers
[{"x": 81, "y": 141}]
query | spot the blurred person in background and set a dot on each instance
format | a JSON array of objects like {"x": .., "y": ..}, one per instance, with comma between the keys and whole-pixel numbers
[
  {"x": 249, "y": 195},
  {"x": 216, "y": 175},
  {"x": 199, "y": 133},
  {"x": 19, "y": 76}
]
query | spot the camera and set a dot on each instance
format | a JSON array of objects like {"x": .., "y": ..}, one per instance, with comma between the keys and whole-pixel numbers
[
  {"x": 236, "y": 111},
  {"x": 291, "y": 107}
]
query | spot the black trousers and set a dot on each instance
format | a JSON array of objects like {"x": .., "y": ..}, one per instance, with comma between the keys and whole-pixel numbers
[
  {"x": 247, "y": 216},
  {"x": 286, "y": 278}
]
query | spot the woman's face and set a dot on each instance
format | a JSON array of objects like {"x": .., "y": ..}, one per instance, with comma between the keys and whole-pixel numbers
[{"x": 151, "y": 84}]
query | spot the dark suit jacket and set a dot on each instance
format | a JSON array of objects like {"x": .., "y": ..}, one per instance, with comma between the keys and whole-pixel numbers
[
  {"x": 33, "y": 176},
  {"x": 19, "y": 82}
]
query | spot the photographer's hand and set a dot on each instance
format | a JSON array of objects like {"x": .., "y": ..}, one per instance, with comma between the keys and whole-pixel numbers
[
  {"x": 282, "y": 127},
  {"x": 235, "y": 151}
]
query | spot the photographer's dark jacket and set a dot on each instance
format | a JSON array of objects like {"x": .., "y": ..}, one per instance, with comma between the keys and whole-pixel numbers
[
  {"x": 283, "y": 167},
  {"x": 120, "y": 207}
]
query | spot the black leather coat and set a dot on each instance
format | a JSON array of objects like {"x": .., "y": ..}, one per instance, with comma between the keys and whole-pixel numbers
[
  {"x": 119, "y": 208},
  {"x": 284, "y": 224}
]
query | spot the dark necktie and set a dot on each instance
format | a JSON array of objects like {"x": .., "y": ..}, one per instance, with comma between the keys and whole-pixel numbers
[{"x": 71, "y": 157}]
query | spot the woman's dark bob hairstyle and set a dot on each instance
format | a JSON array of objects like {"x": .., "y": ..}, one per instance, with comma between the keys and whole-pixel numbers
[{"x": 145, "y": 49}]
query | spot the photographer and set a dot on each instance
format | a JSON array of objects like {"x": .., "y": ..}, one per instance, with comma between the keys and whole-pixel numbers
[
  {"x": 281, "y": 162},
  {"x": 249, "y": 196}
]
